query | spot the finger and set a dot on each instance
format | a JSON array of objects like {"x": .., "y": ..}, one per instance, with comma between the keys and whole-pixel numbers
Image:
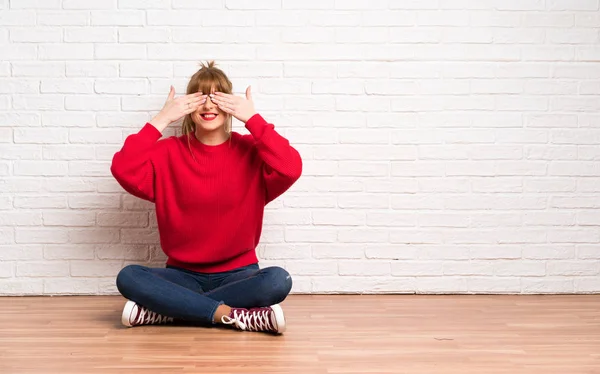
[
  {"x": 225, "y": 108},
  {"x": 171, "y": 93},
  {"x": 192, "y": 105},
  {"x": 191, "y": 108},
  {"x": 198, "y": 100},
  {"x": 220, "y": 99},
  {"x": 193, "y": 95},
  {"x": 224, "y": 95},
  {"x": 248, "y": 93}
]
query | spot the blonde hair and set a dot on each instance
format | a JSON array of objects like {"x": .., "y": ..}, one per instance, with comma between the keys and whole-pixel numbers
[{"x": 205, "y": 80}]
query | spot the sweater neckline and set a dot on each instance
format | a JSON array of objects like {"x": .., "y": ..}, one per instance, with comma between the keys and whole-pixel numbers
[{"x": 209, "y": 148}]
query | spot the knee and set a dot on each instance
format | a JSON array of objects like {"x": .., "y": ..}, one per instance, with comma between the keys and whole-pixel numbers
[
  {"x": 279, "y": 283},
  {"x": 126, "y": 278}
]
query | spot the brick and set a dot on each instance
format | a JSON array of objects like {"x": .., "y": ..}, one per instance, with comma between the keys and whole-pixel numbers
[
  {"x": 441, "y": 285},
  {"x": 21, "y": 286},
  {"x": 520, "y": 5},
  {"x": 122, "y": 51},
  {"x": 146, "y": 4},
  {"x": 333, "y": 218},
  {"x": 69, "y": 218},
  {"x": 90, "y": 35},
  {"x": 121, "y": 86},
  {"x": 312, "y": 267},
  {"x": 547, "y": 285},
  {"x": 120, "y": 119},
  {"x": 43, "y": 269},
  {"x": 7, "y": 270},
  {"x": 19, "y": 119},
  {"x": 146, "y": 69},
  {"x": 137, "y": 252},
  {"x": 390, "y": 251},
  {"x": 335, "y": 251},
  {"x": 564, "y": 5},
  {"x": 17, "y": 18},
  {"x": 12, "y": 252},
  {"x": 416, "y": 268},
  {"x": 123, "y": 219},
  {"x": 68, "y": 152},
  {"x": 7, "y": 235},
  {"x": 37, "y": 69},
  {"x": 587, "y": 284},
  {"x": 71, "y": 51},
  {"x": 38, "y": 102},
  {"x": 139, "y": 236},
  {"x": 588, "y": 252},
  {"x": 363, "y": 201},
  {"x": 63, "y": 18},
  {"x": 494, "y": 285},
  {"x": 95, "y": 268},
  {"x": 40, "y": 168},
  {"x": 40, "y": 202},
  {"x": 20, "y": 185},
  {"x": 65, "y": 85},
  {"x": 107, "y": 287},
  {"x": 38, "y": 235},
  {"x": 88, "y": 4},
  {"x": 69, "y": 286},
  {"x": 103, "y": 136},
  {"x": 310, "y": 235},
  {"x": 120, "y": 18},
  {"x": 363, "y": 268},
  {"x": 93, "y": 201},
  {"x": 69, "y": 251},
  {"x": 92, "y": 69},
  {"x": 36, "y": 35},
  {"x": 363, "y": 169},
  {"x": 574, "y": 268}
]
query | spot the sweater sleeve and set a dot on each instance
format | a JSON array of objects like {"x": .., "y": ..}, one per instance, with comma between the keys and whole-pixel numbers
[
  {"x": 282, "y": 164},
  {"x": 132, "y": 166}
]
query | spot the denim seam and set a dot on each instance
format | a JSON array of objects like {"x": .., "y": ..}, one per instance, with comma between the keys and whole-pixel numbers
[{"x": 212, "y": 314}]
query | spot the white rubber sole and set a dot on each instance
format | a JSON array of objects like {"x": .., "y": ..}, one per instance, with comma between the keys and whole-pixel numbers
[
  {"x": 127, "y": 310},
  {"x": 279, "y": 318}
]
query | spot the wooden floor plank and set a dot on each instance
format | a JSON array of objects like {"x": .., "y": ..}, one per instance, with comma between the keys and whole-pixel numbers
[{"x": 326, "y": 334}]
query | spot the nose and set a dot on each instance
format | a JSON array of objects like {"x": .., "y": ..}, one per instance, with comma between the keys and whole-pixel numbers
[{"x": 208, "y": 104}]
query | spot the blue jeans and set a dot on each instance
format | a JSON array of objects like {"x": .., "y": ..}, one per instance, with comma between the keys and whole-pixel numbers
[{"x": 190, "y": 296}]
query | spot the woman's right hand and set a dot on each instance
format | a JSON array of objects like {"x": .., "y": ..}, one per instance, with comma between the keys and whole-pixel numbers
[{"x": 175, "y": 108}]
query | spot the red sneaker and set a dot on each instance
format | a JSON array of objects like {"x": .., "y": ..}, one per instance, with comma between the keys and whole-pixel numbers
[
  {"x": 135, "y": 315},
  {"x": 268, "y": 319}
]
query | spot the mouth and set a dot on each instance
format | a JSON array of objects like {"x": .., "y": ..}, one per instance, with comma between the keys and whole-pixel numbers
[{"x": 208, "y": 116}]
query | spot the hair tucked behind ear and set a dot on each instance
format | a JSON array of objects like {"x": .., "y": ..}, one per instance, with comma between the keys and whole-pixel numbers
[{"x": 205, "y": 80}]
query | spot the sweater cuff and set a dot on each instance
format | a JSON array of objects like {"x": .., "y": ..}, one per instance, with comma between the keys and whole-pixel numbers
[
  {"x": 256, "y": 125},
  {"x": 150, "y": 133}
]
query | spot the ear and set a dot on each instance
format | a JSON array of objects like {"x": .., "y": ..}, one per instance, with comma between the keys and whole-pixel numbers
[{"x": 248, "y": 94}]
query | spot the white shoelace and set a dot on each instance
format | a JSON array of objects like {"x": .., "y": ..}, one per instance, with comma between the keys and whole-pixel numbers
[
  {"x": 148, "y": 317},
  {"x": 251, "y": 321}
]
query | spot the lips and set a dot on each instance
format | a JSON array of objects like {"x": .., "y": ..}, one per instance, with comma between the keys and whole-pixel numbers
[{"x": 208, "y": 116}]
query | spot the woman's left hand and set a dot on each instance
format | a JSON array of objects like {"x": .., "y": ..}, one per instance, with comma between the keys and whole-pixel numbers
[{"x": 240, "y": 108}]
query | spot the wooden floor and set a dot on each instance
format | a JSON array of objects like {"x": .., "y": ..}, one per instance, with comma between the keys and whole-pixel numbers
[{"x": 326, "y": 334}]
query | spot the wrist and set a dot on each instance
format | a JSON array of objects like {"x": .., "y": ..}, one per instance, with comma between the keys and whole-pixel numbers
[
  {"x": 159, "y": 122},
  {"x": 250, "y": 116}
]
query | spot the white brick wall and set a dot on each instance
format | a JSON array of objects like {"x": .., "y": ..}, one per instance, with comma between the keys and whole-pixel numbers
[{"x": 450, "y": 146}]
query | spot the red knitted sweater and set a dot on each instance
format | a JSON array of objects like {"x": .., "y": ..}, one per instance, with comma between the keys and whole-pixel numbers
[{"x": 209, "y": 199}]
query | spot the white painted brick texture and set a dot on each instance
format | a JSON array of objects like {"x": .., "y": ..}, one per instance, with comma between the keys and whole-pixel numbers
[{"x": 448, "y": 146}]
